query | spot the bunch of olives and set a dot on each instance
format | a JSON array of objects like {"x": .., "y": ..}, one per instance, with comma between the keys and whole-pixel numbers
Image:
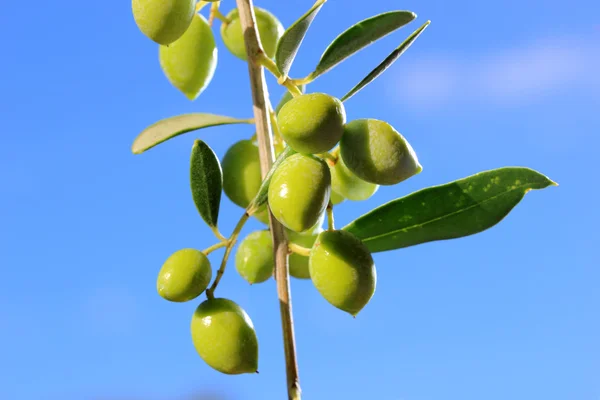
[
  {"x": 187, "y": 50},
  {"x": 333, "y": 160}
]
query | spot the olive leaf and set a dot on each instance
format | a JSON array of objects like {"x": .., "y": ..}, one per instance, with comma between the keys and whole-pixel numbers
[
  {"x": 456, "y": 209},
  {"x": 168, "y": 128},
  {"x": 385, "y": 64},
  {"x": 263, "y": 190},
  {"x": 206, "y": 181},
  {"x": 292, "y": 38},
  {"x": 360, "y": 36}
]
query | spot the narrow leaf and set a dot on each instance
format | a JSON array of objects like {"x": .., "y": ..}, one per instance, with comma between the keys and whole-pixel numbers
[
  {"x": 461, "y": 208},
  {"x": 385, "y": 64},
  {"x": 263, "y": 191},
  {"x": 206, "y": 181},
  {"x": 359, "y": 36},
  {"x": 292, "y": 38},
  {"x": 168, "y": 128}
]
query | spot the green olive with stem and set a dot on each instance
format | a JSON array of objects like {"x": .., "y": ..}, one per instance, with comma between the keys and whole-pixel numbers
[
  {"x": 184, "y": 275},
  {"x": 224, "y": 337},
  {"x": 348, "y": 185}
]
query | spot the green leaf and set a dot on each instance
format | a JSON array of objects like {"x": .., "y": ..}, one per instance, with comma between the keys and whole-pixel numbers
[
  {"x": 385, "y": 64},
  {"x": 461, "y": 208},
  {"x": 168, "y": 128},
  {"x": 206, "y": 181},
  {"x": 287, "y": 96},
  {"x": 359, "y": 36},
  {"x": 262, "y": 195},
  {"x": 292, "y": 38}
]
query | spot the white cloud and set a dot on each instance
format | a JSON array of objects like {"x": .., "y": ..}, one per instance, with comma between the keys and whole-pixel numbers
[{"x": 505, "y": 77}]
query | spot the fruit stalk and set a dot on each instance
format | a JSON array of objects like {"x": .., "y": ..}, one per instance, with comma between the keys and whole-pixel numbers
[{"x": 264, "y": 135}]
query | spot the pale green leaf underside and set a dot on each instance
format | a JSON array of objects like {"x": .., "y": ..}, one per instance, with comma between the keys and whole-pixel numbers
[
  {"x": 292, "y": 38},
  {"x": 168, "y": 128},
  {"x": 206, "y": 182},
  {"x": 385, "y": 64},
  {"x": 457, "y": 209},
  {"x": 360, "y": 36}
]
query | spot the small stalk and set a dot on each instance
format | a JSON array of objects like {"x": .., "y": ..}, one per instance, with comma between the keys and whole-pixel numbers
[
  {"x": 210, "y": 293},
  {"x": 214, "y": 247},
  {"x": 282, "y": 80},
  {"x": 330, "y": 220},
  {"x": 295, "y": 248}
]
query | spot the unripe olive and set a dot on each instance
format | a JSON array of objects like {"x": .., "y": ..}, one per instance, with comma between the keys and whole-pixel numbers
[
  {"x": 241, "y": 172},
  {"x": 270, "y": 31},
  {"x": 184, "y": 275},
  {"x": 312, "y": 123},
  {"x": 299, "y": 191},
  {"x": 163, "y": 21},
  {"x": 189, "y": 63},
  {"x": 375, "y": 152},
  {"x": 224, "y": 337},
  {"x": 342, "y": 269},
  {"x": 348, "y": 185},
  {"x": 298, "y": 264},
  {"x": 254, "y": 257}
]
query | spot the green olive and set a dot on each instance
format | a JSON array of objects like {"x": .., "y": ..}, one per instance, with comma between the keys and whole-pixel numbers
[
  {"x": 189, "y": 63},
  {"x": 270, "y": 31},
  {"x": 375, "y": 152},
  {"x": 184, "y": 276},
  {"x": 348, "y": 185},
  {"x": 299, "y": 191},
  {"x": 163, "y": 21},
  {"x": 254, "y": 257},
  {"x": 224, "y": 337},
  {"x": 312, "y": 123},
  {"x": 299, "y": 263},
  {"x": 342, "y": 269},
  {"x": 241, "y": 172}
]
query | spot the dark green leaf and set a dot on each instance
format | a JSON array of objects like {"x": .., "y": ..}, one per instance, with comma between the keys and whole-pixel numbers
[
  {"x": 263, "y": 191},
  {"x": 292, "y": 38},
  {"x": 461, "y": 208},
  {"x": 394, "y": 55},
  {"x": 287, "y": 96},
  {"x": 206, "y": 181},
  {"x": 168, "y": 128},
  {"x": 359, "y": 36}
]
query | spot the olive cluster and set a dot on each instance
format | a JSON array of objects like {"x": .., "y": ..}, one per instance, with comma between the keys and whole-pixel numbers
[
  {"x": 188, "y": 53},
  {"x": 334, "y": 160}
]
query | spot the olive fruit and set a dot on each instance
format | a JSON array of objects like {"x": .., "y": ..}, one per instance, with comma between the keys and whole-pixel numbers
[
  {"x": 298, "y": 264},
  {"x": 299, "y": 191},
  {"x": 254, "y": 257},
  {"x": 189, "y": 63},
  {"x": 270, "y": 31},
  {"x": 163, "y": 21},
  {"x": 342, "y": 269},
  {"x": 312, "y": 123},
  {"x": 241, "y": 172},
  {"x": 375, "y": 152},
  {"x": 348, "y": 185},
  {"x": 224, "y": 337},
  {"x": 184, "y": 276}
]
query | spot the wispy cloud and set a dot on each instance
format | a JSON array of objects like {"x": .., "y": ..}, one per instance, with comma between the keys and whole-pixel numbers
[{"x": 509, "y": 77}]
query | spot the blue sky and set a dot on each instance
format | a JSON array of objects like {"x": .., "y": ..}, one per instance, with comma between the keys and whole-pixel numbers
[{"x": 85, "y": 225}]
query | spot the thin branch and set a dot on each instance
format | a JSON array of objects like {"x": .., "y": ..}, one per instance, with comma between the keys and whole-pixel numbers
[{"x": 263, "y": 130}]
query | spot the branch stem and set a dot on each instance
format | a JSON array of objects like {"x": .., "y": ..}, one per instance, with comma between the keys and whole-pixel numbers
[
  {"x": 295, "y": 248},
  {"x": 256, "y": 57},
  {"x": 210, "y": 293},
  {"x": 330, "y": 220}
]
